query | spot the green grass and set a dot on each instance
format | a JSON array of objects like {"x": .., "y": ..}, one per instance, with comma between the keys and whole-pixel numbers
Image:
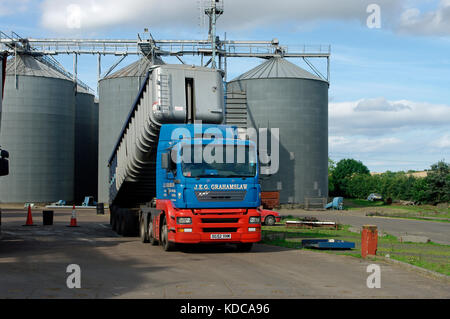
[
  {"x": 427, "y": 209},
  {"x": 361, "y": 203},
  {"x": 417, "y": 212},
  {"x": 430, "y": 256},
  {"x": 405, "y": 216},
  {"x": 417, "y": 261}
]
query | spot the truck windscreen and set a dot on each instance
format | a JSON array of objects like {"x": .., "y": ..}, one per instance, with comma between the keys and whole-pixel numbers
[{"x": 218, "y": 161}]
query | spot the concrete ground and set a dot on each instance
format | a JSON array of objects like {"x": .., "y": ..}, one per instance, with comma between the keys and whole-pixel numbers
[
  {"x": 33, "y": 263},
  {"x": 438, "y": 232}
]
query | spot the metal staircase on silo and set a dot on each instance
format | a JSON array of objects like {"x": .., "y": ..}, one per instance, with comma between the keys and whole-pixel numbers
[{"x": 236, "y": 109}]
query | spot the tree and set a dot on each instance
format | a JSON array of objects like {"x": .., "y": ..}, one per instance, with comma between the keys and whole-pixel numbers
[
  {"x": 344, "y": 170},
  {"x": 351, "y": 179},
  {"x": 331, "y": 166},
  {"x": 420, "y": 191},
  {"x": 438, "y": 181}
]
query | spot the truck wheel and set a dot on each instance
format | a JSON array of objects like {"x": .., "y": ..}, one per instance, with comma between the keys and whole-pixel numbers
[
  {"x": 142, "y": 233},
  {"x": 151, "y": 236},
  {"x": 166, "y": 244},
  {"x": 130, "y": 224},
  {"x": 245, "y": 247},
  {"x": 269, "y": 221}
]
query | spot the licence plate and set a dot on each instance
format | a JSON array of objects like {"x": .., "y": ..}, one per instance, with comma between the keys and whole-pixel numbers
[{"x": 220, "y": 236}]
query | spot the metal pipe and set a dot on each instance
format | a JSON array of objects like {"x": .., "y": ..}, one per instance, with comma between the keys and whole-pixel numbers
[
  {"x": 213, "y": 34},
  {"x": 225, "y": 57}
]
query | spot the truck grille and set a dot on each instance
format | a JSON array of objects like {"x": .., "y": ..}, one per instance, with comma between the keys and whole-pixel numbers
[
  {"x": 219, "y": 220},
  {"x": 220, "y": 230},
  {"x": 228, "y": 196}
]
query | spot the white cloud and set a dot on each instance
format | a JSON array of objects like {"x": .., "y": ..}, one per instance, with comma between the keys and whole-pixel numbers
[
  {"x": 256, "y": 12},
  {"x": 238, "y": 14},
  {"x": 443, "y": 142},
  {"x": 348, "y": 144},
  {"x": 380, "y": 104},
  {"x": 395, "y": 135},
  {"x": 435, "y": 22},
  {"x": 376, "y": 117}
]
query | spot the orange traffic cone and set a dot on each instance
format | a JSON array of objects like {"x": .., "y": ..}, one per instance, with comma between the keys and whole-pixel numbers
[
  {"x": 29, "y": 217},
  {"x": 73, "y": 219}
]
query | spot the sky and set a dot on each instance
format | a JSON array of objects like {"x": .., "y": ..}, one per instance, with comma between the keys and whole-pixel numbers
[{"x": 389, "y": 97}]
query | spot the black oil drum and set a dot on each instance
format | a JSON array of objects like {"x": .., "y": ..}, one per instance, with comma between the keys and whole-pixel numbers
[{"x": 100, "y": 209}]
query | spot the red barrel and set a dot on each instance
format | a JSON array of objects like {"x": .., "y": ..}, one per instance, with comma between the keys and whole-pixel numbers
[{"x": 369, "y": 240}]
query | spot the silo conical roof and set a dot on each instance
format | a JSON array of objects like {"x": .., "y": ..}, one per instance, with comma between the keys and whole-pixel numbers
[
  {"x": 136, "y": 69},
  {"x": 277, "y": 68},
  {"x": 27, "y": 65}
]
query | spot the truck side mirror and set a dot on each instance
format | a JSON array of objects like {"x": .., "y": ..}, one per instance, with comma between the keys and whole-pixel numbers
[{"x": 165, "y": 161}]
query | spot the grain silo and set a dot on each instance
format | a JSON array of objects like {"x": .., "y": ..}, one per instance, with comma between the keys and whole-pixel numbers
[
  {"x": 117, "y": 93},
  {"x": 86, "y": 145},
  {"x": 38, "y": 124},
  {"x": 279, "y": 94}
]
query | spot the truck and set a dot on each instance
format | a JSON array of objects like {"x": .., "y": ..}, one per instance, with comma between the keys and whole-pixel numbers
[{"x": 177, "y": 175}]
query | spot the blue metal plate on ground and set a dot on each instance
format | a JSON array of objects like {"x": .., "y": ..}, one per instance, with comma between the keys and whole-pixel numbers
[{"x": 327, "y": 244}]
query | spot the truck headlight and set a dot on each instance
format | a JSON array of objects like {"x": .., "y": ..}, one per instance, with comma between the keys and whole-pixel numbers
[
  {"x": 184, "y": 220},
  {"x": 255, "y": 220}
]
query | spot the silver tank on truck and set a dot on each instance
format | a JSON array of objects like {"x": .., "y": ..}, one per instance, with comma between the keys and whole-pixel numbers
[
  {"x": 170, "y": 94},
  {"x": 117, "y": 93},
  {"x": 279, "y": 94}
]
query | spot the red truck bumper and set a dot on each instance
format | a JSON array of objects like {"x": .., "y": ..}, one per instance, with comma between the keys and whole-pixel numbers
[
  {"x": 196, "y": 238},
  {"x": 212, "y": 225}
]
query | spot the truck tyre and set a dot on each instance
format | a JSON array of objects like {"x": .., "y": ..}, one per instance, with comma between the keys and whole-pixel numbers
[
  {"x": 130, "y": 223},
  {"x": 142, "y": 233},
  {"x": 151, "y": 236},
  {"x": 269, "y": 221},
  {"x": 166, "y": 244},
  {"x": 244, "y": 247}
]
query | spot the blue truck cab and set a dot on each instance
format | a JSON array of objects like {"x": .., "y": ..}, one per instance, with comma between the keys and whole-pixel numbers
[
  {"x": 207, "y": 188},
  {"x": 206, "y": 166}
]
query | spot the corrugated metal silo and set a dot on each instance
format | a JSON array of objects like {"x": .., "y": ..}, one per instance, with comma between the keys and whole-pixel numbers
[
  {"x": 282, "y": 95},
  {"x": 117, "y": 93},
  {"x": 38, "y": 124},
  {"x": 86, "y": 145}
]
